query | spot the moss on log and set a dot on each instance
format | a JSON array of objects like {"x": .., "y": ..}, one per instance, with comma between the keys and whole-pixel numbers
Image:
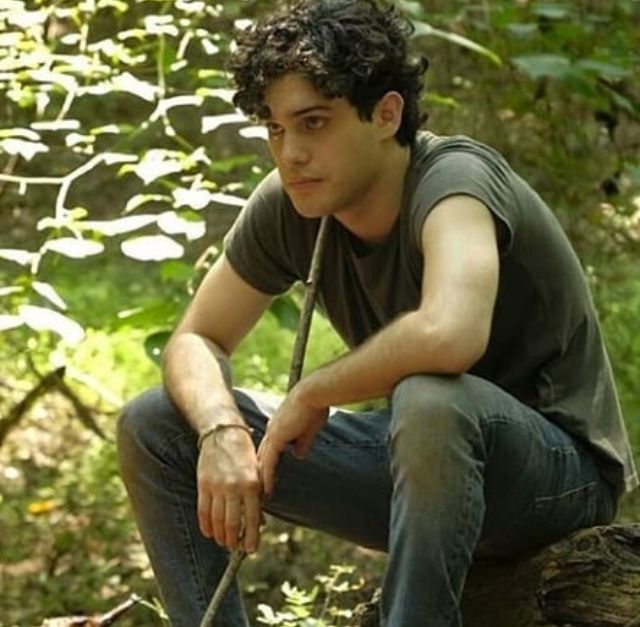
[{"x": 590, "y": 579}]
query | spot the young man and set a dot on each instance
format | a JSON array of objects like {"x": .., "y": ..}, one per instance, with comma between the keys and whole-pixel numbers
[{"x": 461, "y": 301}]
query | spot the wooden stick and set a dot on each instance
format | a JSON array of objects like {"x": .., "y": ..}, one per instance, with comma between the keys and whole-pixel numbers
[
  {"x": 304, "y": 324},
  {"x": 297, "y": 361}
]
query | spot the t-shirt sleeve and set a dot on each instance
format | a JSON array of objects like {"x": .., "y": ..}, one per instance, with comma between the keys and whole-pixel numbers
[
  {"x": 457, "y": 172},
  {"x": 256, "y": 245}
]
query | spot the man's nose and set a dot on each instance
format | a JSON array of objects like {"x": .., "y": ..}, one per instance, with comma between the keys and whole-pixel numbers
[{"x": 294, "y": 151}]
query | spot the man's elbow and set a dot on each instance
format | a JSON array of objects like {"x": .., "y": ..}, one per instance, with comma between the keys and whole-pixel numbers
[
  {"x": 458, "y": 350},
  {"x": 459, "y": 360}
]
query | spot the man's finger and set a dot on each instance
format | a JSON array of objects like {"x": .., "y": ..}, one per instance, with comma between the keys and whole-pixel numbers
[
  {"x": 232, "y": 521},
  {"x": 217, "y": 519},
  {"x": 268, "y": 458},
  {"x": 252, "y": 519},
  {"x": 204, "y": 514}
]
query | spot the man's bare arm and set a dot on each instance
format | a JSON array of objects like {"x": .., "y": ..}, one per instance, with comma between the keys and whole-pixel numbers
[
  {"x": 450, "y": 330},
  {"x": 447, "y": 334},
  {"x": 194, "y": 365}
]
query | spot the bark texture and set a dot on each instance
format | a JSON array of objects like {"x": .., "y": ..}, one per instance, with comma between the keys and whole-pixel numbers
[{"x": 590, "y": 579}]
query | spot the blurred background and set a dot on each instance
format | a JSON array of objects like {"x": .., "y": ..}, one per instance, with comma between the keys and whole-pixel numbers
[{"x": 122, "y": 165}]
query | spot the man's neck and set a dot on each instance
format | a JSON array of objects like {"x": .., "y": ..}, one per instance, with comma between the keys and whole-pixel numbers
[{"x": 373, "y": 219}]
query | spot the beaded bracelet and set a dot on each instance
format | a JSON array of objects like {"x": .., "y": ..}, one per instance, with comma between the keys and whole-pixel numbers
[{"x": 221, "y": 427}]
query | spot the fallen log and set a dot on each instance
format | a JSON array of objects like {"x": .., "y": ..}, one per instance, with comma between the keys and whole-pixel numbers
[{"x": 590, "y": 579}]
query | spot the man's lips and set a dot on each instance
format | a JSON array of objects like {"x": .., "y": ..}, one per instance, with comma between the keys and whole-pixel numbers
[{"x": 302, "y": 183}]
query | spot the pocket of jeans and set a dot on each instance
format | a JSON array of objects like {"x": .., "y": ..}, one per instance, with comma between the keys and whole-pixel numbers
[{"x": 556, "y": 516}]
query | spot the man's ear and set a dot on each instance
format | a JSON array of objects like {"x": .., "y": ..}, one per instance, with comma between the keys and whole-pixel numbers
[{"x": 387, "y": 114}]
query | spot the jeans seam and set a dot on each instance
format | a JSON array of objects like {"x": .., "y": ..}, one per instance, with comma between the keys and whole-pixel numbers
[
  {"x": 183, "y": 525},
  {"x": 465, "y": 524},
  {"x": 497, "y": 419}
]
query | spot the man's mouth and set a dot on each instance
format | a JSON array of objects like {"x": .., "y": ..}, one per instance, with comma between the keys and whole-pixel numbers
[{"x": 302, "y": 183}]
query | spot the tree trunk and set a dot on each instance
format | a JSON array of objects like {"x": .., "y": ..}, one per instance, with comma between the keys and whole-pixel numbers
[{"x": 591, "y": 579}]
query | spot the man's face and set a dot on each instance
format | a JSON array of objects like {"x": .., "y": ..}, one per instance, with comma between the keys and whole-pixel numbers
[{"x": 328, "y": 158}]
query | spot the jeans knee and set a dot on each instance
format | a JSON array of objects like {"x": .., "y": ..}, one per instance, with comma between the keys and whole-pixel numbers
[
  {"x": 135, "y": 417},
  {"x": 144, "y": 426},
  {"x": 429, "y": 412}
]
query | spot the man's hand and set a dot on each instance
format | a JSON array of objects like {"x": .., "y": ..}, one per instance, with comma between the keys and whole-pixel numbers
[
  {"x": 229, "y": 490},
  {"x": 296, "y": 421}
]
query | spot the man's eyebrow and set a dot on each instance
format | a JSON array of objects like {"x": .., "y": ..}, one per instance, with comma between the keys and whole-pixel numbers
[
  {"x": 306, "y": 110},
  {"x": 299, "y": 112}
]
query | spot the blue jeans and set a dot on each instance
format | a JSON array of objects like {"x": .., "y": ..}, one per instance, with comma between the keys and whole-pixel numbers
[{"x": 455, "y": 469}]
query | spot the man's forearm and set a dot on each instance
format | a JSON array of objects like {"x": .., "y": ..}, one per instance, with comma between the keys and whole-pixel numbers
[
  {"x": 197, "y": 376},
  {"x": 409, "y": 345}
]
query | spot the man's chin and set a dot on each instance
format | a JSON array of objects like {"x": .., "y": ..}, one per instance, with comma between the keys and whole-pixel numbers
[{"x": 311, "y": 212}]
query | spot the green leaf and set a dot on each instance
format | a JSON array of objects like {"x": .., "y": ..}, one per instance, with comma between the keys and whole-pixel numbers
[
  {"x": 522, "y": 29},
  {"x": 411, "y": 7},
  {"x": 422, "y": 29},
  {"x": 196, "y": 198},
  {"x": 10, "y": 322},
  {"x": 607, "y": 70},
  {"x": 118, "y": 5},
  {"x": 173, "y": 224},
  {"x": 217, "y": 92},
  {"x": 47, "y": 291},
  {"x": 43, "y": 319},
  {"x": 158, "y": 313},
  {"x": 67, "y": 82},
  {"x": 77, "y": 213},
  {"x": 176, "y": 271},
  {"x": 76, "y": 139},
  {"x": 152, "y": 248},
  {"x": 209, "y": 47},
  {"x": 227, "y": 165},
  {"x": 74, "y": 247},
  {"x": 22, "y": 133},
  {"x": 129, "y": 83},
  {"x": 160, "y": 25},
  {"x": 543, "y": 65},
  {"x": 286, "y": 311},
  {"x": 111, "y": 129},
  {"x": 191, "y": 6},
  {"x": 140, "y": 199},
  {"x": 552, "y": 10},
  {"x": 56, "y": 125},
  {"x": 23, "y": 257},
  {"x": 155, "y": 164},
  {"x": 12, "y": 289},
  {"x": 167, "y": 104},
  {"x": 154, "y": 345},
  {"x": 10, "y": 40},
  {"x": 228, "y": 199},
  {"x": 212, "y": 122},
  {"x": 442, "y": 101},
  {"x": 26, "y": 19},
  {"x": 254, "y": 132},
  {"x": 119, "y": 225},
  {"x": 26, "y": 149}
]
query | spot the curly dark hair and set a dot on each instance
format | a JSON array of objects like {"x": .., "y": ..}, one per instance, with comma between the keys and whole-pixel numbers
[{"x": 356, "y": 49}]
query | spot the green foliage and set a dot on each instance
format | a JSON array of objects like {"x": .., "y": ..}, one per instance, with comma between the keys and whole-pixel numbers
[
  {"x": 120, "y": 95},
  {"x": 122, "y": 162},
  {"x": 328, "y": 604}
]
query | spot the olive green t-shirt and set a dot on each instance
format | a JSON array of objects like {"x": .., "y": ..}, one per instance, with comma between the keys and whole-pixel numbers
[{"x": 545, "y": 347}]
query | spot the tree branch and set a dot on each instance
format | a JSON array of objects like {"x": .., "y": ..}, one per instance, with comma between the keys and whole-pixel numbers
[{"x": 15, "y": 415}]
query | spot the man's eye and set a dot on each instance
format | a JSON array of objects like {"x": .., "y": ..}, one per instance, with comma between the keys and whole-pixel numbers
[
  {"x": 273, "y": 129},
  {"x": 313, "y": 123}
]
